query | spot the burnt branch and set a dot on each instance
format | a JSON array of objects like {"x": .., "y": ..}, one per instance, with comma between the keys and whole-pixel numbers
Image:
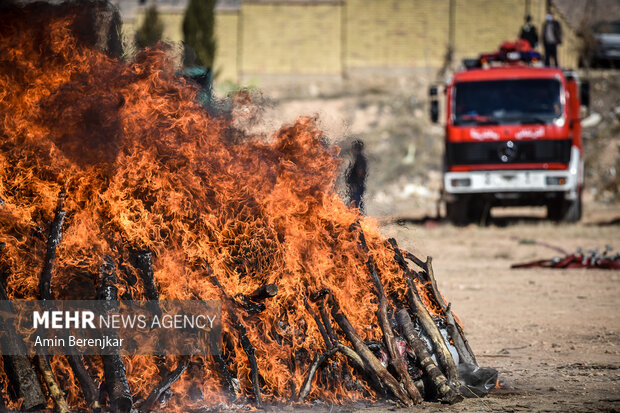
[
  {"x": 264, "y": 292},
  {"x": 164, "y": 385},
  {"x": 326, "y": 338},
  {"x": 460, "y": 342},
  {"x": 113, "y": 367},
  {"x": 87, "y": 384},
  {"x": 227, "y": 377},
  {"x": 243, "y": 338},
  {"x": 441, "y": 350},
  {"x": 18, "y": 368},
  {"x": 316, "y": 363},
  {"x": 440, "y": 384},
  {"x": 331, "y": 341},
  {"x": 371, "y": 364},
  {"x": 143, "y": 262},
  {"x": 396, "y": 359},
  {"x": 52, "y": 386},
  {"x": 53, "y": 239}
]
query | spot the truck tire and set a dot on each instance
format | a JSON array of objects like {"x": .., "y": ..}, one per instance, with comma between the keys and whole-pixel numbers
[
  {"x": 572, "y": 210},
  {"x": 562, "y": 210},
  {"x": 457, "y": 211},
  {"x": 555, "y": 208}
]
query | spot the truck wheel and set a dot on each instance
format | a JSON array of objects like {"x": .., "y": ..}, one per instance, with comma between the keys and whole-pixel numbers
[
  {"x": 561, "y": 210},
  {"x": 572, "y": 210},
  {"x": 457, "y": 211},
  {"x": 555, "y": 209}
]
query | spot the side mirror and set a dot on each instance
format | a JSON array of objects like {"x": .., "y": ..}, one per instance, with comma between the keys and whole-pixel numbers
[
  {"x": 584, "y": 94},
  {"x": 434, "y": 104}
]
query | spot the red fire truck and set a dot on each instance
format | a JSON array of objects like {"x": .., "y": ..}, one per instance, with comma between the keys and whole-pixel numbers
[{"x": 512, "y": 136}]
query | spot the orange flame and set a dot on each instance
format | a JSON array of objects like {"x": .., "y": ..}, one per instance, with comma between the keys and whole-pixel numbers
[{"x": 145, "y": 167}]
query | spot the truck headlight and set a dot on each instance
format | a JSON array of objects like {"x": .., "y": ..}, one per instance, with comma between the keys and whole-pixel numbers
[
  {"x": 555, "y": 180},
  {"x": 460, "y": 182}
]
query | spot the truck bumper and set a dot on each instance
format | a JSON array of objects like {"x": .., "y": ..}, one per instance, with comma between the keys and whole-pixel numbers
[{"x": 499, "y": 182}]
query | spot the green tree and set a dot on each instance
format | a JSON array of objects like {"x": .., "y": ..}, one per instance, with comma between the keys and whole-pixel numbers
[
  {"x": 198, "y": 25},
  {"x": 151, "y": 30}
]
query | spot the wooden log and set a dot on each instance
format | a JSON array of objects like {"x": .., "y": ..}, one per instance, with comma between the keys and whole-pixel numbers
[
  {"x": 264, "y": 292},
  {"x": 372, "y": 365},
  {"x": 431, "y": 277},
  {"x": 444, "y": 357},
  {"x": 164, "y": 385},
  {"x": 227, "y": 377},
  {"x": 326, "y": 338},
  {"x": 466, "y": 355},
  {"x": 396, "y": 360},
  {"x": 314, "y": 366},
  {"x": 454, "y": 329},
  {"x": 143, "y": 262},
  {"x": 53, "y": 239},
  {"x": 249, "y": 306},
  {"x": 252, "y": 304},
  {"x": 247, "y": 346},
  {"x": 87, "y": 384},
  {"x": 18, "y": 368},
  {"x": 114, "y": 370},
  {"x": 444, "y": 391},
  {"x": 54, "y": 389},
  {"x": 331, "y": 341}
]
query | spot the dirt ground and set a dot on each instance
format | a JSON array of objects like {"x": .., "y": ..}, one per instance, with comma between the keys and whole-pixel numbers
[{"x": 554, "y": 335}]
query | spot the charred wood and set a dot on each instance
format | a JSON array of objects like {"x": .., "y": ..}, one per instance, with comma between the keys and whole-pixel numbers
[
  {"x": 87, "y": 384},
  {"x": 444, "y": 357},
  {"x": 331, "y": 341},
  {"x": 164, "y": 385},
  {"x": 52, "y": 386},
  {"x": 53, "y": 239},
  {"x": 143, "y": 262},
  {"x": 245, "y": 341},
  {"x": 326, "y": 338},
  {"x": 454, "y": 329},
  {"x": 249, "y": 306},
  {"x": 396, "y": 359},
  {"x": 318, "y": 360},
  {"x": 24, "y": 382},
  {"x": 227, "y": 377},
  {"x": 18, "y": 368},
  {"x": 445, "y": 392},
  {"x": 113, "y": 367},
  {"x": 416, "y": 260},
  {"x": 264, "y": 292},
  {"x": 371, "y": 364},
  {"x": 460, "y": 342}
]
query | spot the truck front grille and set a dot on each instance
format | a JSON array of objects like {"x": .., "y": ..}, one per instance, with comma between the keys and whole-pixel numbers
[{"x": 509, "y": 152}]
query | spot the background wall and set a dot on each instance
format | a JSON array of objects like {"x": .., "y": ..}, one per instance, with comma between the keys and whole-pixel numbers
[{"x": 295, "y": 39}]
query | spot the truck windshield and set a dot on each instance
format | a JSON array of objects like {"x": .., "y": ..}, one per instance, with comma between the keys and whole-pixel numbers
[{"x": 514, "y": 101}]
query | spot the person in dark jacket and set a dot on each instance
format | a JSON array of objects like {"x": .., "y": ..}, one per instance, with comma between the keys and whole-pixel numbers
[
  {"x": 552, "y": 38},
  {"x": 356, "y": 176},
  {"x": 529, "y": 33}
]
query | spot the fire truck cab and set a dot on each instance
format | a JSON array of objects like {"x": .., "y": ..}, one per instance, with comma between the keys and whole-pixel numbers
[{"x": 512, "y": 137}]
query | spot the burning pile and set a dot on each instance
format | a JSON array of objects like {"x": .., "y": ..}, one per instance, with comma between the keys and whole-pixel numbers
[{"x": 113, "y": 178}]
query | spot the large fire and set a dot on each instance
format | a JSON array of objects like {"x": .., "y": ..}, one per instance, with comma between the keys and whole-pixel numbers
[{"x": 144, "y": 167}]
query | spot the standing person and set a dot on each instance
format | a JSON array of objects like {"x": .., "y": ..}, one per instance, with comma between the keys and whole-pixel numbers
[
  {"x": 552, "y": 37},
  {"x": 356, "y": 176},
  {"x": 529, "y": 33}
]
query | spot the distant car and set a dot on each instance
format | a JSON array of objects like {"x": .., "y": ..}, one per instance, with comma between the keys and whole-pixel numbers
[{"x": 606, "y": 44}]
